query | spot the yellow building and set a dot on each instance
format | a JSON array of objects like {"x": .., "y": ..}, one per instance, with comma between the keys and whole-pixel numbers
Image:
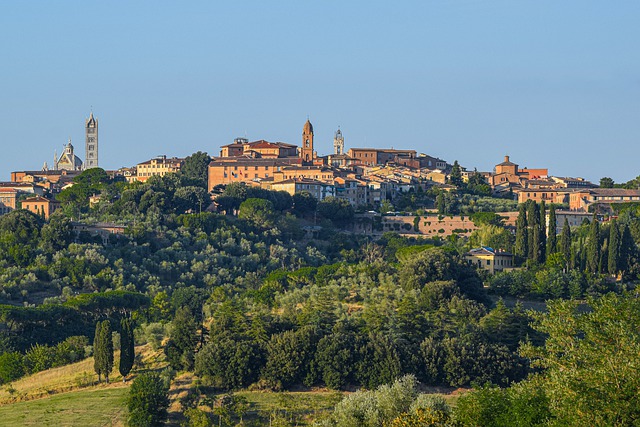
[
  {"x": 489, "y": 259},
  {"x": 160, "y": 166}
]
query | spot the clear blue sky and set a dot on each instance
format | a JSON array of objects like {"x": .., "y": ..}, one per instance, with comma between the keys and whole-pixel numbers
[{"x": 551, "y": 83}]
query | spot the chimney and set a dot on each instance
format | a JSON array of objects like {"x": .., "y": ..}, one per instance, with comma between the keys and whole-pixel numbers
[{"x": 506, "y": 158}]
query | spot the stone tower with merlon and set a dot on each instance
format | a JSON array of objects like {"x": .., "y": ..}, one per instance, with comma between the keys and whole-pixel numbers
[{"x": 91, "y": 143}]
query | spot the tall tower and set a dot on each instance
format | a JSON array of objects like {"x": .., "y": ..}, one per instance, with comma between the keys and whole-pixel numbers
[
  {"x": 338, "y": 142},
  {"x": 306, "y": 152},
  {"x": 91, "y": 142}
]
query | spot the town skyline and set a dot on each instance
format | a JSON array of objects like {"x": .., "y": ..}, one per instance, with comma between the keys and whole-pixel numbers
[{"x": 561, "y": 91}]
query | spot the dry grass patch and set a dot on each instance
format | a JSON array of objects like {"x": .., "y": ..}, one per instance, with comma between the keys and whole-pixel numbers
[{"x": 71, "y": 377}]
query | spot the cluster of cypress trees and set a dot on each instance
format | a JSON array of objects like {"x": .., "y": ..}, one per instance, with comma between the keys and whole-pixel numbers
[
  {"x": 103, "y": 349},
  {"x": 531, "y": 232},
  {"x": 602, "y": 252}
]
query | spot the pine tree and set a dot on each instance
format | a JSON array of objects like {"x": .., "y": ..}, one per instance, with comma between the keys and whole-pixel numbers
[
  {"x": 522, "y": 245},
  {"x": 103, "y": 350},
  {"x": 593, "y": 247},
  {"x": 127, "y": 348},
  {"x": 552, "y": 238}
]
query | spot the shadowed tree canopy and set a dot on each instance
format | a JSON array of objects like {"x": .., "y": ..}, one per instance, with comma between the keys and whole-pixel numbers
[{"x": 195, "y": 168}]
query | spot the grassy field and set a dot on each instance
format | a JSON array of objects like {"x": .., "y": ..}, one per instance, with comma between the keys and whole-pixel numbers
[{"x": 99, "y": 406}]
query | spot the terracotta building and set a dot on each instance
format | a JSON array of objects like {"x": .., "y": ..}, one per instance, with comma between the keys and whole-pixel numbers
[
  {"x": 582, "y": 200},
  {"x": 40, "y": 206},
  {"x": 377, "y": 156},
  {"x": 258, "y": 149}
]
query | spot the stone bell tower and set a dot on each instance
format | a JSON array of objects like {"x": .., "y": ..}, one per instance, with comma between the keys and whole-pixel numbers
[{"x": 91, "y": 143}]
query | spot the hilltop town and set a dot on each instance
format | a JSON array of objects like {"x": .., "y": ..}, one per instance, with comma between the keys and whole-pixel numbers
[{"x": 369, "y": 179}]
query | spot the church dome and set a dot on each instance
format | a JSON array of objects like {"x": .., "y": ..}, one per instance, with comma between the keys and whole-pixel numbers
[{"x": 308, "y": 128}]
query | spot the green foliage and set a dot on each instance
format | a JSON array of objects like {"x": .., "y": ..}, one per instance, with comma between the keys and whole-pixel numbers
[
  {"x": 148, "y": 401},
  {"x": 304, "y": 203},
  {"x": 127, "y": 347},
  {"x": 19, "y": 235},
  {"x": 289, "y": 357},
  {"x": 606, "y": 182},
  {"x": 335, "y": 359},
  {"x": 195, "y": 168},
  {"x": 229, "y": 363},
  {"x": 375, "y": 408},
  {"x": 258, "y": 211},
  {"x": 589, "y": 360},
  {"x": 455, "y": 177},
  {"x": 11, "y": 367},
  {"x": 337, "y": 210},
  {"x": 522, "y": 234},
  {"x": 103, "y": 350},
  {"x": 180, "y": 349}
]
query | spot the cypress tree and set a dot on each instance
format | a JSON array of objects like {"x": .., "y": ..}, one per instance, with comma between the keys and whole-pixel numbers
[
  {"x": 455, "y": 177},
  {"x": 533, "y": 216},
  {"x": 565, "y": 243},
  {"x": 627, "y": 249},
  {"x": 127, "y": 348},
  {"x": 614, "y": 248},
  {"x": 97, "y": 351},
  {"x": 103, "y": 350},
  {"x": 552, "y": 238},
  {"x": 521, "y": 246},
  {"x": 593, "y": 247},
  {"x": 543, "y": 232},
  {"x": 440, "y": 204}
]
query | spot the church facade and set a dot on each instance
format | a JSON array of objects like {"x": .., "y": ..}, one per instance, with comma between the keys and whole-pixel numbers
[{"x": 69, "y": 161}]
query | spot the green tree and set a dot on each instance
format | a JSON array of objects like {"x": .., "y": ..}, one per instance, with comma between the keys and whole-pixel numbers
[
  {"x": 180, "y": 349},
  {"x": 522, "y": 234},
  {"x": 440, "y": 204},
  {"x": 228, "y": 362},
  {"x": 127, "y": 347},
  {"x": 565, "y": 242},
  {"x": 289, "y": 356},
  {"x": 11, "y": 367},
  {"x": 589, "y": 360},
  {"x": 103, "y": 350},
  {"x": 304, "y": 203},
  {"x": 553, "y": 224},
  {"x": 259, "y": 211},
  {"x": 195, "y": 168},
  {"x": 542, "y": 251},
  {"x": 455, "y": 177},
  {"x": 593, "y": 247},
  {"x": 613, "y": 255},
  {"x": 57, "y": 234},
  {"x": 627, "y": 249},
  {"x": 337, "y": 210},
  {"x": 606, "y": 182},
  {"x": 148, "y": 401}
]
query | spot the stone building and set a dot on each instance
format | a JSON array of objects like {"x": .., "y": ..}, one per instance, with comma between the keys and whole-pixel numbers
[
  {"x": 91, "y": 142},
  {"x": 68, "y": 160}
]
